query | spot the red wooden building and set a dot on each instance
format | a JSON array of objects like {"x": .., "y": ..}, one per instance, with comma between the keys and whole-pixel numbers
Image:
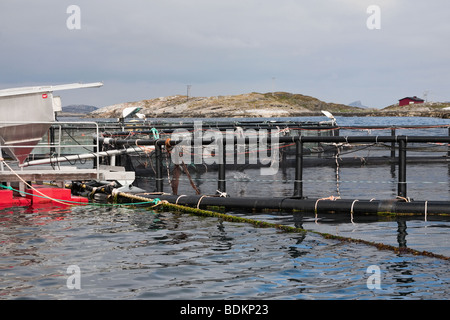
[{"x": 410, "y": 100}]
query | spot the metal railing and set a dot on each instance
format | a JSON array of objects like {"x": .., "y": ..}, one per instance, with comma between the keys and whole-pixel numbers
[{"x": 59, "y": 142}]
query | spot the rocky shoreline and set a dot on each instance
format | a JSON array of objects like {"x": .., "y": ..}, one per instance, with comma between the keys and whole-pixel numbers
[{"x": 431, "y": 114}]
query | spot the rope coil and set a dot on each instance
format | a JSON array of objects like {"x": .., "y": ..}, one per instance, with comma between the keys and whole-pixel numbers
[
  {"x": 199, "y": 200},
  {"x": 332, "y": 198},
  {"x": 351, "y": 210},
  {"x": 183, "y": 195}
]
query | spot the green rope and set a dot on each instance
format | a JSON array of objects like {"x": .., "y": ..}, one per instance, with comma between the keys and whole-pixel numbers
[{"x": 155, "y": 133}]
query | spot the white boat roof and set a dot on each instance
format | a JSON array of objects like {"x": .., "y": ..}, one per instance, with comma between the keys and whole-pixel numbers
[{"x": 29, "y": 90}]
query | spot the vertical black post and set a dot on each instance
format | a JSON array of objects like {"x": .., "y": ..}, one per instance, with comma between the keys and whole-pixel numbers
[
  {"x": 52, "y": 140},
  {"x": 401, "y": 192},
  {"x": 393, "y": 143},
  {"x": 221, "y": 182},
  {"x": 94, "y": 143},
  {"x": 448, "y": 145},
  {"x": 298, "y": 182},
  {"x": 319, "y": 144},
  {"x": 159, "y": 164}
]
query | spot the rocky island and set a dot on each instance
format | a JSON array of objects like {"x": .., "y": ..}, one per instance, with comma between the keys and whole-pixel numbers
[
  {"x": 267, "y": 105},
  {"x": 276, "y": 104}
]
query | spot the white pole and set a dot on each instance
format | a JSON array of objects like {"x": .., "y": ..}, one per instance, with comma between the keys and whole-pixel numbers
[{"x": 83, "y": 156}]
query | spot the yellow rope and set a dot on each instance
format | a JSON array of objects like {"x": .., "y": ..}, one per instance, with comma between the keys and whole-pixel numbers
[
  {"x": 285, "y": 228},
  {"x": 141, "y": 199}
]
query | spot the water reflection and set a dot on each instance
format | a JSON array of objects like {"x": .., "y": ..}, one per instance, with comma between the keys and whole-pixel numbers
[
  {"x": 172, "y": 256},
  {"x": 391, "y": 230},
  {"x": 401, "y": 233},
  {"x": 222, "y": 242},
  {"x": 298, "y": 249}
]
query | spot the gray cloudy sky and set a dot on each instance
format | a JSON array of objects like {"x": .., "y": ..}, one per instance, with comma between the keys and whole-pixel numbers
[{"x": 146, "y": 49}]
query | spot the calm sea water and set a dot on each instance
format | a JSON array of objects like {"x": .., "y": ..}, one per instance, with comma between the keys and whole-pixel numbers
[{"x": 137, "y": 253}]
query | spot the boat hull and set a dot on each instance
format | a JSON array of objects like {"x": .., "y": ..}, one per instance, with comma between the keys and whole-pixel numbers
[
  {"x": 25, "y": 120},
  {"x": 18, "y": 141}
]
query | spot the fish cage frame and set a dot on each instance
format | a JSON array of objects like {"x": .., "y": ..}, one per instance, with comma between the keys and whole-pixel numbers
[{"x": 298, "y": 201}]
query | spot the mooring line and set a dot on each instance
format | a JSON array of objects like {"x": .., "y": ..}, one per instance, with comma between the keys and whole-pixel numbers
[{"x": 285, "y": 228}]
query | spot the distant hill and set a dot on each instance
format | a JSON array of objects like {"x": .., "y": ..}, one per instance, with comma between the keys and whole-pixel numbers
[
  {"x": 272, "y": 104},
  {"x": 78, "y": 109},
  {"x": 358, "y": 104}
]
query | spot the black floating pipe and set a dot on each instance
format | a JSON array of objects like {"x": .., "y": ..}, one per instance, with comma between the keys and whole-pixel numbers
[
  {"x": 319, "y": 206},
  {"x": 290, "y": 139},
  {"x": 423, "y": 207}
]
